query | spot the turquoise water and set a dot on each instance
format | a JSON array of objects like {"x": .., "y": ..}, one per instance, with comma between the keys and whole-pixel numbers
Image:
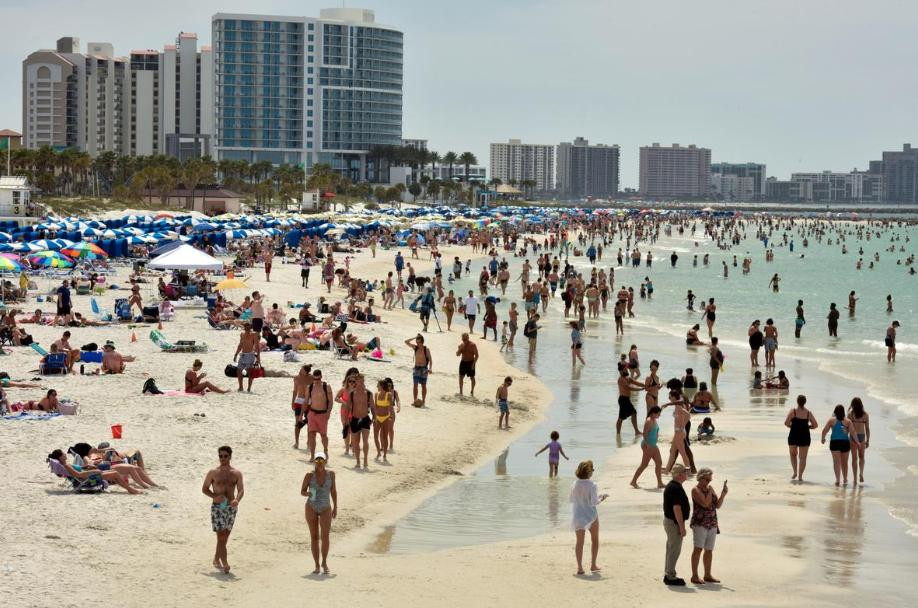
[{"x": 511, "y": 496}]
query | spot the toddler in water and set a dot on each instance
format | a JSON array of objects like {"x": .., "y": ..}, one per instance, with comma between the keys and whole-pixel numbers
[
  {"x": 757, "y": 380},
  {"x": 504, "y": 336},
  {"x": 554, "y": 451},
  {"x": 706, "y": 428}
]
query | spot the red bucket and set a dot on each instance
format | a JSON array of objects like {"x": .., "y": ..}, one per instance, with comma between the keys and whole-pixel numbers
[{"x": 116, "y": 431}]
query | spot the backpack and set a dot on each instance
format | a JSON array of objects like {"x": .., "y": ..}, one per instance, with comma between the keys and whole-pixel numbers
[
  {"x": 413, "y": 307},
  {"x": 91, "y": 347},
  {"x": 150, "y": 388},
  {"x": 230, "y": 371}
]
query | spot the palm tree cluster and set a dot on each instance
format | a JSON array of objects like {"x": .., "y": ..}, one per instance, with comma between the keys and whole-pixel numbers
[
  {"x": 145, "y": 178},
  {"x": 385, "y": 157}
]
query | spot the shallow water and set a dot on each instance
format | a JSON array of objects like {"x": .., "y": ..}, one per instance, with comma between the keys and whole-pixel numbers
[{"x": 511, "y": 496}]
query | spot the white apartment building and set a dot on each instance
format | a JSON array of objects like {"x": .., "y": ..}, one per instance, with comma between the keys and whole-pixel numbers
[
  {"x": 516, "y": 161},
  {"x": 151, "y": 103},
  {"x": 74, "y": 100}
]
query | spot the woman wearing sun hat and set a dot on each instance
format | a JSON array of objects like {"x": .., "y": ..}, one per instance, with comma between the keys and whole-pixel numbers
[{"x": 321, "y": 507}]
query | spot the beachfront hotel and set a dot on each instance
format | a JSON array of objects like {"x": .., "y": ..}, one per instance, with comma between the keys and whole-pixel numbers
[
  {"x": 587, "y": 170},
  {"x": 738, "y": 181},
  {"x": 515, "y": 161},
  {"x": 154, "y": 102},
  {"x": 306, "y": 90},
  {"x": 672, "y": 171}
]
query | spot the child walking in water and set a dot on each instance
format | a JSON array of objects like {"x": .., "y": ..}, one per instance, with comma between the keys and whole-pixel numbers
[
  {"x": 554, "y": 451},
  {"x": 503, "y": 403}
]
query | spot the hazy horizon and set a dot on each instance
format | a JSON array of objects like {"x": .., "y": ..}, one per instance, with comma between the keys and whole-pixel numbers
[{"x": 799, "y": 86}]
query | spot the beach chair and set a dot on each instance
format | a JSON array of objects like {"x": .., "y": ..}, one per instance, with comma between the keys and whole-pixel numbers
[
  {"x": 97, "y": 312},
  {"x": 91, "y": 485},
  {"x": 168, "y": 347},
  {"x": 38, "y": 348},
  {"x": 123, "y": 310},
  {"x": 219, "y": 326},
  {"x": 55, "y": 363}
]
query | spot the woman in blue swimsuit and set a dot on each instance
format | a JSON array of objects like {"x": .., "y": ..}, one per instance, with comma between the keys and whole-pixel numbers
[
  {"x": 843, "y": 437},
  {"x": 649, "y": 447},
  {"x": 321, "y": 507}
]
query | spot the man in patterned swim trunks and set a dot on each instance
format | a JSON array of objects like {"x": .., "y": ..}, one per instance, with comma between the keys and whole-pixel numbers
[
  {"x": 224, "y": 487},
  {"x": 248, "y": 354}
]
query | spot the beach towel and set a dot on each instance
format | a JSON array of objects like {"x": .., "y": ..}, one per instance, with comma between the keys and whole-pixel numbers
[
  {"x": 174, "y": 393},
  {"x": 38, "y": 348},
  {"x": 31, "y": 416}
]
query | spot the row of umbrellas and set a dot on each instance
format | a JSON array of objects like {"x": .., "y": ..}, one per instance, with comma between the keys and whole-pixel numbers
[{"x": 65, "y": 258}]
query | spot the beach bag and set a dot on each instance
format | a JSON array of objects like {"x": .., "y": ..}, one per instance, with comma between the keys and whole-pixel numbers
[
  {"x": 290, "y": 357},
  {"x": 150, "y": 388},
  {"x": 230, "y": 371},
  {"x": 67, "y": 408},
  {"x": 257, "y": 372},
  {"x": 413, "y": 307},
  {"x": 91, "y": 347}
]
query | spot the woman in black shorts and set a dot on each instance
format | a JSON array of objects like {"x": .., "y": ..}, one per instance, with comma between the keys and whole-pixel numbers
[
  {"x": 843, "y": 435},
  {"x": 800, "y": 421}
]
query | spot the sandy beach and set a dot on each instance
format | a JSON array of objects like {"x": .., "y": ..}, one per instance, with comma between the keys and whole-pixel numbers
[{"x": 160, "y": 543}]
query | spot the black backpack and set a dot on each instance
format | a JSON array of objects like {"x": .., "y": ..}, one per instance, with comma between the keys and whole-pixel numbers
[{"x": 149, "y": 387}]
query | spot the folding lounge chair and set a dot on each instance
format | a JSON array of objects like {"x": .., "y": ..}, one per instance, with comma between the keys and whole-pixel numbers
[
  {"x": 94, "y": 305},
  {"x": 55, "y": 363},
  {"x": 92, "y": 484},
  {"x": 168, "y": 347}
]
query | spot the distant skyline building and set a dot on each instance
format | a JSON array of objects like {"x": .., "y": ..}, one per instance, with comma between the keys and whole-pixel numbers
[
  {"x": 516, "y": 161},
  {"x": 674, "y": 171},
  {"x": 829, "y": 187},
  {"x": 584, "y": 170},
  {"x": 150, "y": 103},
  {"x": 417, "y": 144},
  {"x": 900, "y": 174},
  {"x": 74, "y": 100},
  {"x": 477, "y": 173},
  {"x": 305, "y": 90},
  {"x": 171, "y": 100},
  {"x": 738, "y": 181}
]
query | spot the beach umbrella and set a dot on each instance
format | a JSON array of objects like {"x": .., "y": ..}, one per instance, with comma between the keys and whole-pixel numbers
[
  {"x": 230, "y": 284},
  {"x": 85, "y": 250},
  {"x": 5, "y": 237},
  {"x": 204, "y": 227},
  {"x": 9, "y": 265},
  {"x": 44, "y": 245},
  {"x": 139, "y": 240},
  {"x": 90, "y": 231},
  {"x": 50, "y": 259}
]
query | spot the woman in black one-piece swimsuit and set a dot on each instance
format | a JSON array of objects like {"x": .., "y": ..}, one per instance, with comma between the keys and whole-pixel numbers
[{"x": 799, "y": 420}]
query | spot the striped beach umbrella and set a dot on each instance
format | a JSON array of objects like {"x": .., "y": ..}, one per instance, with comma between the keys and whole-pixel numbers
[
  {"x": 50, "y": 259},
  {"x": 84, "y": 250},
  {"x": 9, "y": 265}
]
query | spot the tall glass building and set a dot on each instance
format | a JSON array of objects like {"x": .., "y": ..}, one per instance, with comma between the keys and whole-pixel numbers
[{"x": 303, "y": 90}]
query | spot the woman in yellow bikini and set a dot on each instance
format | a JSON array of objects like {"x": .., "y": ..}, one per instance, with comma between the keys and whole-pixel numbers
[{"x": 382, "y": 418}]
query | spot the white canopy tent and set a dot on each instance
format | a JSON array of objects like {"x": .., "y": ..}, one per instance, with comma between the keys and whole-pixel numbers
[{"x": 186, "y": 257}]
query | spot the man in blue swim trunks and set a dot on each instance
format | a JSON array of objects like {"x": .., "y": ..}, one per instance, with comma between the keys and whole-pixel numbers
[{"x": 423, "y": 366}]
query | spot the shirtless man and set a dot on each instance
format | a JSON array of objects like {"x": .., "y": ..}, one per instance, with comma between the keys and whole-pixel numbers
[
  {"x": 358, "y": 405},
  {"x": 224, "y": 487},
  {"x": 301, "y": 382},
  {"x": 63, "y": 344},
  {"x": 112, "y": 360},
  {"x": 248, "y": 353},
  {"x": 468, "y": 351},
  {"x": 319, "y": 401},
  {"x": 423, "y": 366},
  {"x": 258, "y": 312},
  {"x": 268, "y": 258}
]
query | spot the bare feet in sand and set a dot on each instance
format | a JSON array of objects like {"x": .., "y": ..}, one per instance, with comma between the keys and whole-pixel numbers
[{"x": 711, "y": 579}]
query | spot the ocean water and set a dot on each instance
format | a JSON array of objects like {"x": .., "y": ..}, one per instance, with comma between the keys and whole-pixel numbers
[{"x": 511, "y": 497}]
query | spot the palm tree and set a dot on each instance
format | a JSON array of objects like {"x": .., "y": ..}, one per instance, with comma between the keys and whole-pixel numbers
[
  {"x": 197, "y": 171},
  {"x": 450, "y": 159},
  {"x": 467, "y": 159},
  {"x": 433, "y": 158}
]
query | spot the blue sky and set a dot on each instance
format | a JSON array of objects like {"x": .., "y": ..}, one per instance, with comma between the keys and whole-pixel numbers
[{"x": 799, "y": 85}]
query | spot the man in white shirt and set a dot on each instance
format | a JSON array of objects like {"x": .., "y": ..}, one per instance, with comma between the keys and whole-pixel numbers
[{"x": 472, "y": 308}]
